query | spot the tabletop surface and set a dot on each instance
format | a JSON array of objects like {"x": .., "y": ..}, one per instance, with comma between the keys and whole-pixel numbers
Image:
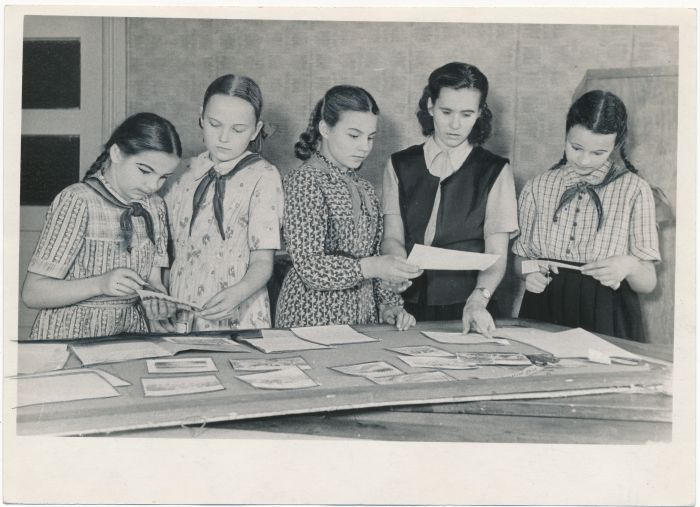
[{"x": 622, "y": 404}]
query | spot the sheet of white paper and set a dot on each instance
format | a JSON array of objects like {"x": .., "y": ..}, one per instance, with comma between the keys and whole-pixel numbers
[
  {"x": 373, "y": 369},
  {"x": 177, "y": 344},
  {"x": 115, "y": 352},
  {"x": 35, "y": 390},
  {"x": 38, "y": 357},
  {"x": 331, "y": 335},
  {"x": 532, "y": 266},
  {"x": 173, "y": 386},
  {"x": 413, "y": 378},
  {"x": 148, "y": 294},
  {"x": 289, "y": 377},
  {"x": 269, "y": 363},
  {"x": 574, "y": 343},
  {"x": 112, "y": 379},
  {"x": 447, "y": 363},
  {"x": 463, "y": 339},
  {"x": 430, "y": 257},
  {"x": 422, "y": 350},
  {"x": 280, "y": 340},
  {"x": 181, "y": 365}
]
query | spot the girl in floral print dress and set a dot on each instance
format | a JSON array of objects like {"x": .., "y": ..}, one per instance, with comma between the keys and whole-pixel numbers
[
  {"x": 225, "y": 214},
  {"x": 333, "y": 224}
]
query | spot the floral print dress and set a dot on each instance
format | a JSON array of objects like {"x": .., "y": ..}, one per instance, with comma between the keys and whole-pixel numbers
[
  {"x": 325, "y": 284},
  {"x": 205, "y": 264}
]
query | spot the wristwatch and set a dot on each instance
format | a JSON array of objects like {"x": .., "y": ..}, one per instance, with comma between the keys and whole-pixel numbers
[{"x": 484, "y": 292}]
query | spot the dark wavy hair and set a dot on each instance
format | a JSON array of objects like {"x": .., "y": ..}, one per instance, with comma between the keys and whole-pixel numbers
[
  {"x": 600, "y": 112},
  {"x": 457, "y": 75},
  {"x": 138, "y": 133},
  {"x": 244, "y": 88},
  {"x": 336, "y": 101}
]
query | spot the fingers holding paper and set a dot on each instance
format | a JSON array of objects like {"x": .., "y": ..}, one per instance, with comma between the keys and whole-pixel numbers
[
  {"x": 397, "y": 316},
  {"x": 476, "y": 317}
]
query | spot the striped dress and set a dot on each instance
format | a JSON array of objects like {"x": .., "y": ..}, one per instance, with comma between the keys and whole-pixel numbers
[{"x": 81, "y": 239}]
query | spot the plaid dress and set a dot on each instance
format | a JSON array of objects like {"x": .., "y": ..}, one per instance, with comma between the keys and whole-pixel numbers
[
  {"x": 628, "y": 228},
  {"x": 81, "y": 239},
  {"x": 325, "y": 284}
]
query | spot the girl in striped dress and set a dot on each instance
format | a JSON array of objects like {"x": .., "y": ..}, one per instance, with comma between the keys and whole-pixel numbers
[
  {"x": 592, "y": 211},
  {"x": 106, "y": 237}
]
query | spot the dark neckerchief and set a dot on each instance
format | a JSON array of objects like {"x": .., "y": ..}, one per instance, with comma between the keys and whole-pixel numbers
[
  {"x": 219, "y": 190},
  {"x": 614, "y": 173},
  {"x": 133, "y": 209}
]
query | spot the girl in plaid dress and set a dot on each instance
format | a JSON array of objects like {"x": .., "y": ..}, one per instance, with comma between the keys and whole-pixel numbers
[
  {"x": 590, "y": 210},
  {"x": 106, "y": 237}
]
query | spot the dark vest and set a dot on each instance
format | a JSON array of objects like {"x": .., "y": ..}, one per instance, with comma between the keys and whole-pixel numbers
[{"x": 460, "y": 219}]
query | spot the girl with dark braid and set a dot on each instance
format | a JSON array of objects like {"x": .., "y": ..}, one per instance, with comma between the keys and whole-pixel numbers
[
  {"x": 105, "y": 237},
  {"x": 590, "y": 210},
  {"x": 333, "y": 224}
]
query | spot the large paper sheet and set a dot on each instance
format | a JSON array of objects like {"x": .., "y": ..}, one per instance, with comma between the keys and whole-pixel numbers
[
  {"x": 331, "y": 335},
  {"x": 574, "y": 343},
  {"x": 38, "y": 357},
  {"x": 35, "y": 390},
  {"x": 173, "y": 386},
  {"x": 112, "y": 379},
  {"x": 280, "y": 340},
  {"x": 115, "y": 352},
  {"x": 462, "y": 339},
  {"x": 430, "y": 257}
]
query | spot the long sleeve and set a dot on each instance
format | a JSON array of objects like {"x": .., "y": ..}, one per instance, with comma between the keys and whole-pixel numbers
[
  {"x": 305, "y": 229},
  {"x": 527, "y": 217}
]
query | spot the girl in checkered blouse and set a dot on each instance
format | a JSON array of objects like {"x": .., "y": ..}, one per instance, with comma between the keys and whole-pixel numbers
[
  {"x": 105, "y": 237},
  {"x": 591, "y": 210}
]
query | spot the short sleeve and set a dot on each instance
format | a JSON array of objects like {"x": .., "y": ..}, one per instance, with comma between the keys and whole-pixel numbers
[
  {"x": 266, "y": 211},
  {"x": 62, "y": 237},
  {"x": 644, "y": 238},
  {"x": 527, "y": 216},
  {"x": 502, "y": 206},
  {"x": 390, "y": 191}
]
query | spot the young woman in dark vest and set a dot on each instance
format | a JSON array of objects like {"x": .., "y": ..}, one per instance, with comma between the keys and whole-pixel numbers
[{"x": 449, "y": 192}]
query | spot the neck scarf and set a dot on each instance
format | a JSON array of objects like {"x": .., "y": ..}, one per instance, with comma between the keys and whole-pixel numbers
[
  {"x": 219, "y": 180},
  {"x": 591, "y": 189},
  {"x": 132, "y": 209},
  {"x": 358, "y": 194}
]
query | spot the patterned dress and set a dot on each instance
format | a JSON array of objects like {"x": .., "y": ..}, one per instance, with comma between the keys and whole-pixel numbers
[
  {"x": 325, "y": 284},
  {"x": 81, "y": 239},
  {"x": 204, "y": 263}
]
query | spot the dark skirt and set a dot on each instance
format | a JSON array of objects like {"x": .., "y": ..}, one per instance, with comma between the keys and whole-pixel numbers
[{"x": 576, "y": 300}]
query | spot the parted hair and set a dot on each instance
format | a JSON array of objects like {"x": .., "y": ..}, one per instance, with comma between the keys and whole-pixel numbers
[
  {"x": 138, "y": 133},
  {"x": 244, "y": 88},
  {"x": 457, "y": 75},
  {"x": 336, "y": 101},
  {"x": 600, "y": 112}
]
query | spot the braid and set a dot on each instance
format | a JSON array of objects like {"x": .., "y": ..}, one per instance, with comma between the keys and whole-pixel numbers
[
  {"x": 98, "y": 164},
  {"x": 628, "y": 164},
  {"x": 308, "y": 140},
  {"x": 559, "y": 164}
]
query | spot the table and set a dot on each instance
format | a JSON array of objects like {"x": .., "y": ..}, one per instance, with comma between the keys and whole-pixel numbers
[{"x": 631, "y": 415}]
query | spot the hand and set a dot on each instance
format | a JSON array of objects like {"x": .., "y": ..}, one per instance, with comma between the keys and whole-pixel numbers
[
  {"x": 157, "y": 309},
  {"x": 162, "y": 326},
  {"x": 222, "y": 304},
  {"x": 390, "y": 268},
  {"x": 476, "y": 317},
  {"x": 537, "y": 282},
  {"x": 396, "y": 315},
  {"x": 611, "y": 271},
  {"x": 119, "y": 282},
  {"x": 397, "y": 288}
]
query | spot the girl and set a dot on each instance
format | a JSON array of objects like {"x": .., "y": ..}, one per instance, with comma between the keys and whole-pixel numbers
[
  {"x": 450, "y": 192},
  {"x": 593, "y": 211},
  {"x": 226, "y": 212},
  {"x": 105, "y": 238},
  {"x": 333, "y": 225}
]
